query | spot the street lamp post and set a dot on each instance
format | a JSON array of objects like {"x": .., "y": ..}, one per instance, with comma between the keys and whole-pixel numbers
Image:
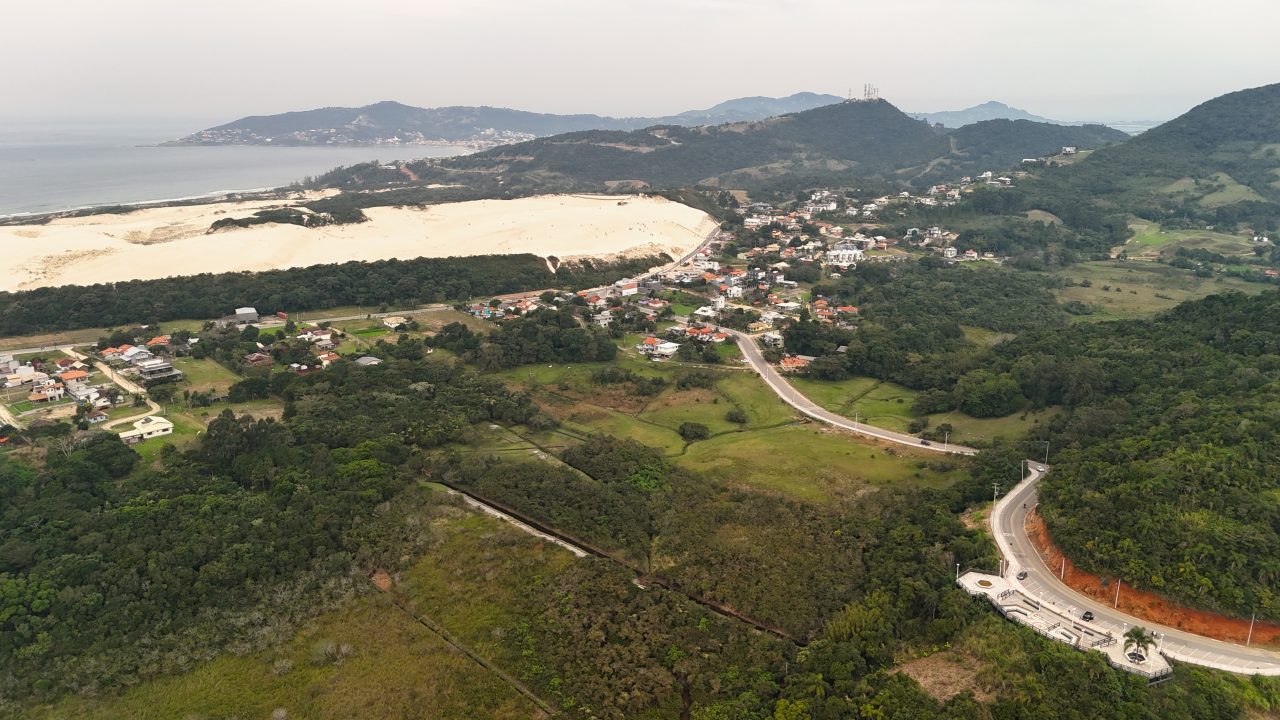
[
  {"x": 1046, "y": 451},
  {"x": 946, "y": 439}
]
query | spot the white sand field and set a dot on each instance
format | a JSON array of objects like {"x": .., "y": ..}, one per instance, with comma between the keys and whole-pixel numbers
[{"x": 163, "y": 242}]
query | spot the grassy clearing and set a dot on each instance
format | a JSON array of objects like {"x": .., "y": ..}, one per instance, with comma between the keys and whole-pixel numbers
[
  {"x": 811, "y": 462},
  {"x": 397, "y": 668},
  {"x": 1231, "y": 193},
  {"x": 477, "y": 579},
  {"x": 1145, "y": 288},
  {"x": 983, "y": 336},
  {"x": 205, "y": 375},
  {"x": 1151, "y": 241},
  {"x": 887, "y": 405},
  {"x": 1043, "y": 216}
]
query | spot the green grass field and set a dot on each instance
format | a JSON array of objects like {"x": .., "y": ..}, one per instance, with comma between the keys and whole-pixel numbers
[
  {"x": 811, "y": 462},
  {"x": 887, "y": 405},
  {"x": 204, "y": 375},
  {"x": 1150, "y": 240},
  {"x": 475, "y": 580},
  {"x": 1145, "y": 288}
]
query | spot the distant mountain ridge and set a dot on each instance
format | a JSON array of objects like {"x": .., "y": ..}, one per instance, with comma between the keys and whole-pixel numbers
[
  {"x": 392, "y": 122},
  {"x": 990, "y": 110},
  {"x": 841, "y": 142}
]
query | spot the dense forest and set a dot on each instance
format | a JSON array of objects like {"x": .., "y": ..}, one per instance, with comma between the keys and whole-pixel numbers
[
  {"x": 385, "y": 282},
  {"x": 541, "y": 336},
  {"x": 1167, "y": 478},
  {"x": 911, "y": 330},
  {"x": 110, "y": 572}
]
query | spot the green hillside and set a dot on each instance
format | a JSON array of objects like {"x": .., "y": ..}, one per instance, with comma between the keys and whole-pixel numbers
[
  {"x": 846, "y": 141},
  {"x": 1219, "y": 162}
]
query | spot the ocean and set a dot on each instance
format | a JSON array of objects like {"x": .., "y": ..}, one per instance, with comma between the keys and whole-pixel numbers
[{"x": 47, "y": 167}]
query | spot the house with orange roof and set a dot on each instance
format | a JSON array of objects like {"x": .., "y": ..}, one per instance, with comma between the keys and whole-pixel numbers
[
  {"x": 793, "y": 363},
  {"x": 158, "y": 341},
  {"x": 72, "y": 375}
]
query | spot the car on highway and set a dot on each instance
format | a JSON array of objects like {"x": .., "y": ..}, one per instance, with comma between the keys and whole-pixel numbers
[
  {"x": 1087, "y": 616},
  {"x": 1022, "y": 575}
]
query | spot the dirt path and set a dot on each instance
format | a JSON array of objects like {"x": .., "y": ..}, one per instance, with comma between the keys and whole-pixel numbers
[{"x": 1148, "y": 605}]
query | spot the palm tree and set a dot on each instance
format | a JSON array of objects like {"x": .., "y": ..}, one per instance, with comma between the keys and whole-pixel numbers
[{"x": 1137, "y": 638}]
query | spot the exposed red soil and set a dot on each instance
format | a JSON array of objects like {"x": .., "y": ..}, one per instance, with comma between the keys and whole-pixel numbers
[
  {"x": 1144, "y": 604},
  {"x": 381, "y": 580}
]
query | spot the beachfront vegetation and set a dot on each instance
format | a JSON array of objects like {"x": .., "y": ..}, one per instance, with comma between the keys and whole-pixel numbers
[{"x": 400, "y": 283}]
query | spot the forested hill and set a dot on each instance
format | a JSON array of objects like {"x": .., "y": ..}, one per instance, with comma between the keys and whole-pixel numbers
[
  {"x": 1220, "y": 161},
  {"x": 392, "y": 121},
  {"x": 1167, "y": 477},
  {"x": 847, "y": 141}
]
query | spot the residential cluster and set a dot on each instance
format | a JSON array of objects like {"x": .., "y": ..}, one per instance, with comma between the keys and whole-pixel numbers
[{"x": 35, "y": 384}]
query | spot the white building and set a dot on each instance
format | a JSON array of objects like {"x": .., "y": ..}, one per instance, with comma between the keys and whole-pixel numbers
[
  {"x": 395, "y": 321},
  {"x": 246, "y": 315},
  {"x": 949, "y": 252},
  {"x": 147, "y": 428},
  {"x": 665, "y": 349},
  {"x": 844, "y": 254}
]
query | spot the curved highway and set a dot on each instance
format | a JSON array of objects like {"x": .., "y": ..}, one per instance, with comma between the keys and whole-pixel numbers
[
  {"x": 1008, "y": 527},
  {"x": 797, "y": 400}
]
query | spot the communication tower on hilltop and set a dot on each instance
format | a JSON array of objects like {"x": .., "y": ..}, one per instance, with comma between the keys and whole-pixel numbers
[{"x": 870, "y": 92}]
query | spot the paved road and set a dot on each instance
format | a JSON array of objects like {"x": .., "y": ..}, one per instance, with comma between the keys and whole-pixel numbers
[
  {"x": 1008, "y": 527},
  {"x": 797, "y": 400},
  {"x": 124, "y": 384}
]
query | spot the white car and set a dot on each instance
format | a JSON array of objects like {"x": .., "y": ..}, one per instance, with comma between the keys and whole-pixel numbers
[{"x": 1039, "y": 468}]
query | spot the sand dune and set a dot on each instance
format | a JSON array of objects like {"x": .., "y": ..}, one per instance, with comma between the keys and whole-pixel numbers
[{"x": 164, "y": 242}]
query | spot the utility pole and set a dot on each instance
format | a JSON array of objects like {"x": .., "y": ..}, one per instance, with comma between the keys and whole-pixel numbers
[
  {"x": 946, "y": 440},
  {"x": 1046, "y": 452},
  {"x": 995, "y": 489},
  {"x": 855, "y": 417},
  {"x": 957, "y": 571},
  {"x": 1249, "y": 639},
  {"x": 1117, "y": 603},
  {"x": 1062, "y": 574}
]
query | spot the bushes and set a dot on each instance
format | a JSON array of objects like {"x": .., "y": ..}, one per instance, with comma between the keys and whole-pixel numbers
[{"x": 692, "y": 431}]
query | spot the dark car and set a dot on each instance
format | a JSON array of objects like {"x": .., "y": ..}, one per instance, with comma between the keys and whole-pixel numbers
[
  {"x": 1022, "y": 575},
  {"x": 925, "y": 442},
  {"x": 1087, "y": 616}
]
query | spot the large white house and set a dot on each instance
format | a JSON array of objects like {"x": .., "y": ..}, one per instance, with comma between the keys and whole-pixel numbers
[
  {"x": 844, "y": 254},
  {"x": 147, "y": 428}
]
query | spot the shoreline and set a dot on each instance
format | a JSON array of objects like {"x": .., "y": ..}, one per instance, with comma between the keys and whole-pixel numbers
[{"x": 35, "y": 218}]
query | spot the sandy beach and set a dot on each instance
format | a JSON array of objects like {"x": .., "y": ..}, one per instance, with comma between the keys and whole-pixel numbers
[{"x": 165, "y": 242}]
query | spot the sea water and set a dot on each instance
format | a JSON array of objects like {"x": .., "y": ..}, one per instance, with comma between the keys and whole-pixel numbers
[{"x": 52, "y": 166}]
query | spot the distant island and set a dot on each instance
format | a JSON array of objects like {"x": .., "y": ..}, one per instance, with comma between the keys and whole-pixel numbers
[
  {"x": 995, "y": 110},
  {"x": 393, "y": 123}
]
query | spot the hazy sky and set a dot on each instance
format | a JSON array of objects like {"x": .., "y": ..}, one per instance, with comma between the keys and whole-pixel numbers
[{"x": 215, "y": 61}]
